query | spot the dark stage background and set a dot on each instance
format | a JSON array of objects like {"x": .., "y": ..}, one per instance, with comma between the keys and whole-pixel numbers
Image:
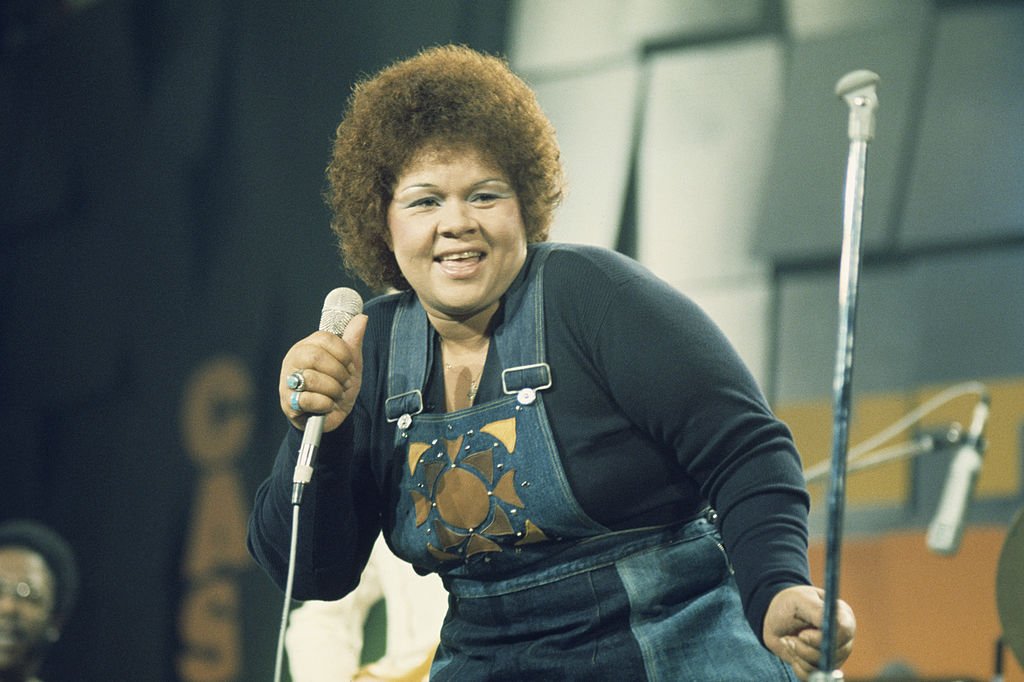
[{"x": 163, "y": 242}]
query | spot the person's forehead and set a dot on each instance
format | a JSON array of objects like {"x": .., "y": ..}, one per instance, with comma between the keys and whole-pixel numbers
[{"x": 24, "y": 563}]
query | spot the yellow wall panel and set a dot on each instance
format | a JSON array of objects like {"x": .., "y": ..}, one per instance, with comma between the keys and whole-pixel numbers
[
  {"x": 811, "y": 423},
  {"x": 1000, "y": 471},
  {"x": 890, "y": 484},
  {"x": 1000, "y": 474}
]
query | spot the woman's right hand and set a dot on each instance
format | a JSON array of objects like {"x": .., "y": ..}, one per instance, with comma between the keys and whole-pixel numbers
[{"x": 332, "y": 372}]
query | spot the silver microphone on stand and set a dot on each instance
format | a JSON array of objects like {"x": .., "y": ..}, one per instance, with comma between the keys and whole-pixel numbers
[
  {"x": 946, "y": 529},
  {"x": 857, "y": 88}
]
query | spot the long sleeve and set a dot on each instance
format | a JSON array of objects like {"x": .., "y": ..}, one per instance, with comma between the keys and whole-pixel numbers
[
  {"x": 334, "y": 538},
  {"x": 340, "y": 514},
  {"x": 668, "y": 384}
]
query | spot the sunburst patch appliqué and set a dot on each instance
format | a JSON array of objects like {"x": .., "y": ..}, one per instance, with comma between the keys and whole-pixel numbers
[{"x": 466, "y": 498}]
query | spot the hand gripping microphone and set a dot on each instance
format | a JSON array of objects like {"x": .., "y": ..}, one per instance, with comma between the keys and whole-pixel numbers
[
  {"x": 340, "y": 306},
  {"x": 947, "y": 527}
]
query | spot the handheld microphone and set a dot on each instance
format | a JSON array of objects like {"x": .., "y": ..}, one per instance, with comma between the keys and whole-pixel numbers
[
  {"x": 946, "y": 529},
  {"x": 340, "y": 306}
]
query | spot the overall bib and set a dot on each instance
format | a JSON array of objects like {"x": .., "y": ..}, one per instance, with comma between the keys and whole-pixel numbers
[{"x": 538, "y": 589}]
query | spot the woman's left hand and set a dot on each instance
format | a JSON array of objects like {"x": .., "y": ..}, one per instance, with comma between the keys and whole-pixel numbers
[{"x": 792, "y": 628}]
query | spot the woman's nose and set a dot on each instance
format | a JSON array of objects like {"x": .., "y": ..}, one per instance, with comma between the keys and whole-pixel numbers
[{"x": 456, "y": 219}]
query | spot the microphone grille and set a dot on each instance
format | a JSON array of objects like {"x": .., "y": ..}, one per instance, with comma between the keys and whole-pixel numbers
[
  {"x": 855, "y": 80},
  {"x": 340, "y": 306}
]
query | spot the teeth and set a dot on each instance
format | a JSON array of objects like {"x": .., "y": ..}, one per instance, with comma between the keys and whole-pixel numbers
[{"x": 460, "y": 256}]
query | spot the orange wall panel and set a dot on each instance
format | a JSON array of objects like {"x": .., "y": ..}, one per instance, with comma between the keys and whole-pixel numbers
[{"x": 936, "y": 614}]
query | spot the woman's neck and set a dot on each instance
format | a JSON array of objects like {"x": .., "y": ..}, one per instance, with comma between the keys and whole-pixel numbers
[
  {"x": 464, "y": 345},
  {"x": 465, "y": 335}
]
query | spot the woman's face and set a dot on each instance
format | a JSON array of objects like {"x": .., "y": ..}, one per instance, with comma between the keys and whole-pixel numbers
[{"x": 457, "y": 232}]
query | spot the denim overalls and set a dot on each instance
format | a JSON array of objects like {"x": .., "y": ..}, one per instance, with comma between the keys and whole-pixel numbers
[{"x": 539, "y": 590}]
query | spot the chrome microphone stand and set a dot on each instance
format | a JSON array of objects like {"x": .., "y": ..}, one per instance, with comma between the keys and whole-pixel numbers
[{"x": 858, "y": 89}]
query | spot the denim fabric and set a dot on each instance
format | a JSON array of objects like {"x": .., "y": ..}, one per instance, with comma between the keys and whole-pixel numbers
[
  {"x": 484, "y": 490},
  {"x": 539, "y": 590},
  {"x": 658, "y": 606},
  {"x": 484, "y": 493}
]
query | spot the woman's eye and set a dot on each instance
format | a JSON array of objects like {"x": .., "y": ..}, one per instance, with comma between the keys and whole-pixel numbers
[
  {"x": 485, "y": 197},
  {"x": 424, "y": 201}
]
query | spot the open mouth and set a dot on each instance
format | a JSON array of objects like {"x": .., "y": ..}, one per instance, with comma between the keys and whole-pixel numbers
[
  {"x": 460, "y": 257},
  {"x": 461, "y": 264}
]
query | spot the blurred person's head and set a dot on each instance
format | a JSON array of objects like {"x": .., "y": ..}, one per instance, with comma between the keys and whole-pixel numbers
[{"x": 38, "y": 586}]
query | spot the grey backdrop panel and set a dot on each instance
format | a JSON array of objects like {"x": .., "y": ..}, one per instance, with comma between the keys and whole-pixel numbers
[
  {"x": 969, "y": 315},
  {"x": 807, "y": 333},
  {"x": 937, "y": 318},
  {"x": 802, "y": 210},
  {"x": 968, "y": 168}
]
